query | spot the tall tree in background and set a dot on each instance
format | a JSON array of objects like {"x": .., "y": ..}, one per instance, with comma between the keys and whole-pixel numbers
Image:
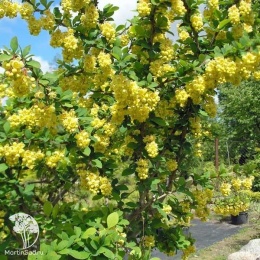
[{"x": 239, "y": 116}]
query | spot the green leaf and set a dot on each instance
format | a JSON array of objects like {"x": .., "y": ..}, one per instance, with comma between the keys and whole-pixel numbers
[
  {"x": 4, "y": 57},
  {"x": 79, "y": 255},
  {"x": 128, "y": 171},
  {"x": 120, "y": 27},
  {"x": 87, "y": 151},
  {"x": 43, "y": 2},
  {"x": 29, "y": 188},
  {"x": 117, "y": 52},
  {"x": 47, "y": 208},
  {"x": 14, "y": 44},
  {"x": 64, "y": 251},
  {"x": 34, "y": 64},
  {"x": 28, "y": 134},
  {"x": 7, "y": 127},
  {"x": 106, "y": 252},
  {"x": 89, "y": 232},
  {"x": 55, "y": 210},
  {"x": 223, "y": 23},
  {"x": 67, "y": 105},
  {"x": 3, "y": 167},
  {"x": 149, "y": 78},
  {"x": 112, "y": 219},
  {"x": 26, "y": 50},
  {"x": 62, "y": 245},
  {"x": 159, "y": 121},
  {"x": 77, "y": 231},
  {"x": 97, "y": 163}
]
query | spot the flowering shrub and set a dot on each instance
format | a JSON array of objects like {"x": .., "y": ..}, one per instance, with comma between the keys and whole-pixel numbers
[
  {"x": 124, "y": 106},
  {"x": 235, "y": 196}
]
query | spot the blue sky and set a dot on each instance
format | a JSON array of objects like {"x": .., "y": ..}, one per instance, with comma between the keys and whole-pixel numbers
[
  {"x": 18, "y": 27},
  {"x": 40, "y": 44}
]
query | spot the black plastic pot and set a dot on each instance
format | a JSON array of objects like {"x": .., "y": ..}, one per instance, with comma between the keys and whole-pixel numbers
[{"x": 241, "y": 218}]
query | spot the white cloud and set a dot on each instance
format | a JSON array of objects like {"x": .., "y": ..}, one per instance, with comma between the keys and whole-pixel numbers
[
  {"x": 125, "y": 11},
  {"x": 45, "y": 65}
]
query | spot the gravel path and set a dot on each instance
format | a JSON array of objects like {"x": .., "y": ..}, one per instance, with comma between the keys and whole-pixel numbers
[{"x": 206, "y": 234}]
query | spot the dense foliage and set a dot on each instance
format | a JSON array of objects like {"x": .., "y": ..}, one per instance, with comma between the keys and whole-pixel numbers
[
  {"x": 239, "y": 116},
  {"x": 119, "y": 119}
]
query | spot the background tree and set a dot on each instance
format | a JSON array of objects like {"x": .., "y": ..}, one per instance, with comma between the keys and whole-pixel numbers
[{"x": 239, "y": 117}]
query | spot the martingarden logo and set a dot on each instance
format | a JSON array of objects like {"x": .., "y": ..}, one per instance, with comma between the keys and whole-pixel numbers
[{"x": 27, "y": 227}]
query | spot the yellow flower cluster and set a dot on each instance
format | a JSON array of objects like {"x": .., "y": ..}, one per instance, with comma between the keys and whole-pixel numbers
[
  {"x": 48, "y": 20},
  {"x": 159, "y": 68},
  {"x": 9, "y": 9},
  {"x": 69, "y": 121},
  {"x": 89, "y": 63},
  {"x": 203, "y": 198},
  {"x": 124, "y": 40},
  {"x": 210, "y": 105},
  {"x": 164, "y": 109},
  {"x": 178, "y": 7},
  {"x": 213, "y": 4},
  {"x": 142, "y": 168},
  {"x": 12, "y": 153},
  {"x": 108, "y": 31},
  {"x": 74, "y": 5},
  {"x": 131, "y": 100},
  {"x": 167, "y": 209},
  {"x": 196, "y": 88},
  {"x": 257, "y": 75},
  {"x": 172, "y": 165},
  {"x": 98, "y": 123},
  {"x": 245, "y": 7},
  {"x": 94, "y": 183},
  {"x": 30, "y": 158},
  {"x": 185, "y": 205},
  {"x": 72, "y": 47},
  {"x": 225, "y": 188},
  {"x": 21, "y": 83},
  {"x": 104, "y": 59},
  {"x": 236, "y": 184},
  {"x": 221, "y": 70},
  {"x": 109, "y": 129},
  {"x": 102, "y": 142},
  {"x": 144, "y": 7},
  {"x": 82, "y": 139},
  {"x": 90, "y": 18},
  {"x": 181, "y": 97},
  {"x": 13, "y": 68},
  {"x": 70, "y": 41},
  {"x": 26, "y": 11},
  {"x": 53, "y": 160},
  {"x": 105, "y": 186},
  {"x": 188, "y": 251},
  {"x": 3, "y": 88},
  {"x": 167, "y": 50},
  {"x": 232, "y": 209},
  {"x": 196, "y": 21},
  {"x": 149, "y": 241},
  {"x": 183, "y": 34},
  {"x": 233, "y": 14},
  {"x": 195, "y": 124},
  {"x": 39, "y": 115},
  {"x": 247, "y": 182},
  {"x": 151, "y": 146}
]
